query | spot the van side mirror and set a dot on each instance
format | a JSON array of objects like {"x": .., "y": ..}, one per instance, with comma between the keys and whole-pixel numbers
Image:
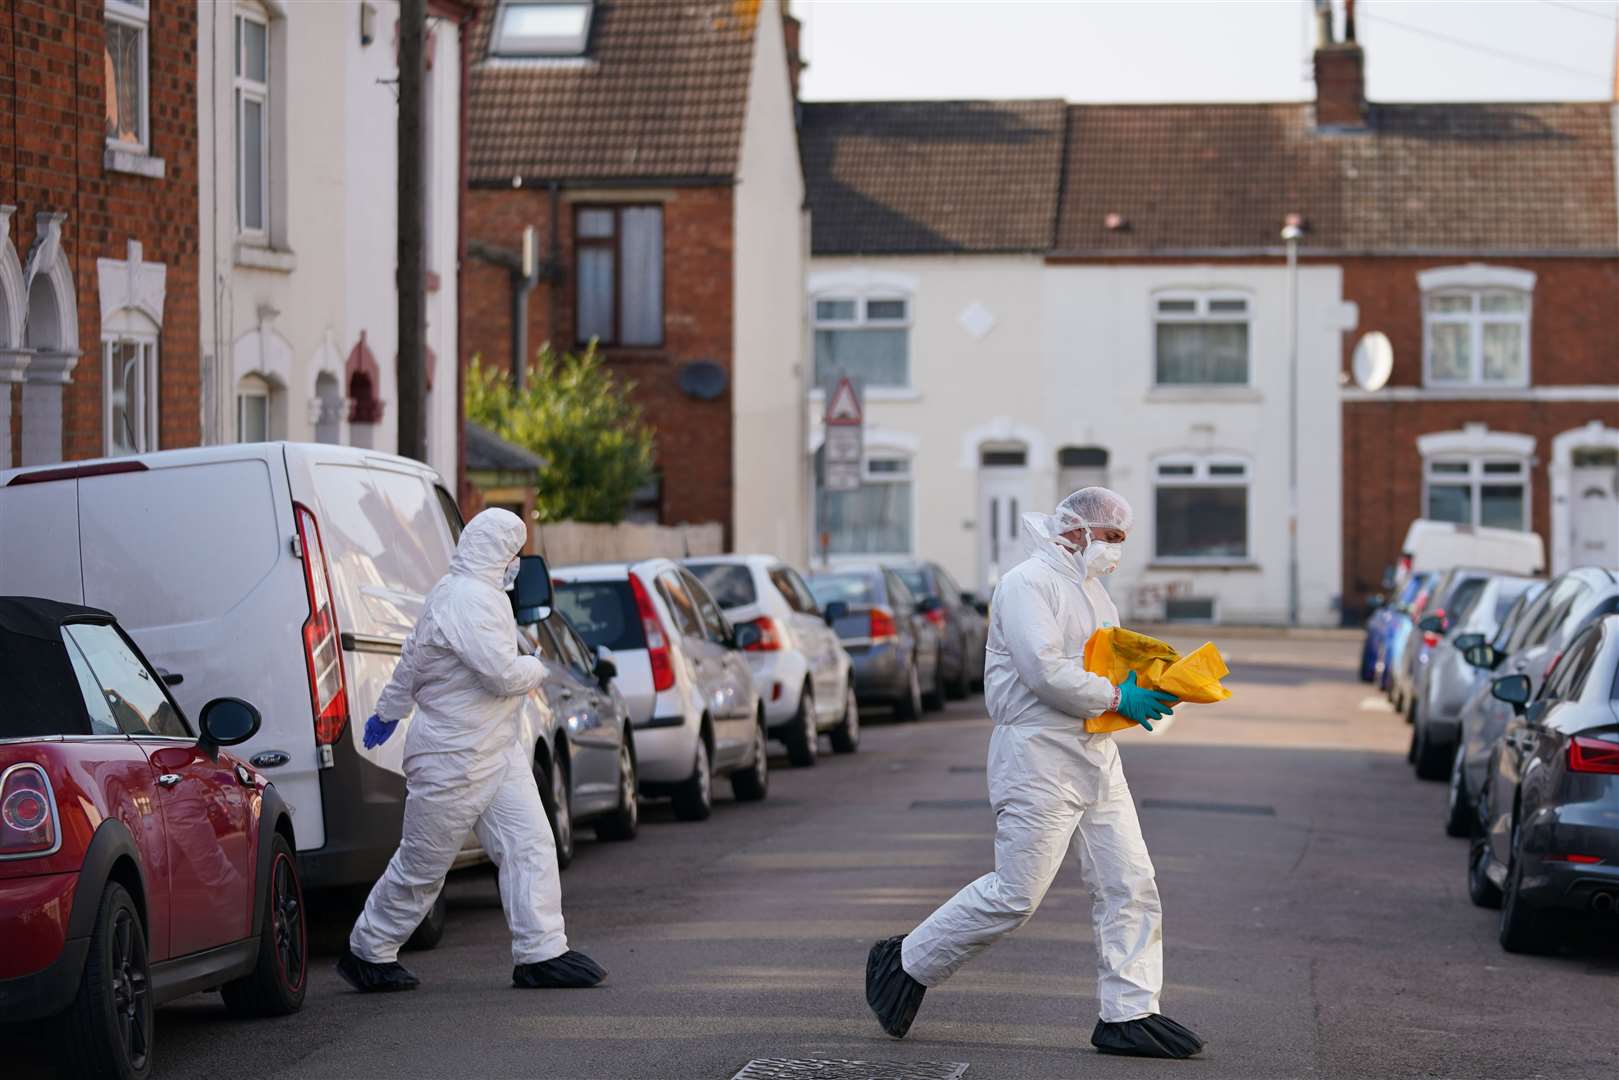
[
  {"x": 1514, "y": 690},
  {"x": 606, "y": 669},
  {"x": 1468, "y": 641},
  {"x": 227, "y": 722},
  {"x": 532, "y": 589},
  {"x": 834, "y": 611},
  {"x": 1483, "y": 657}
]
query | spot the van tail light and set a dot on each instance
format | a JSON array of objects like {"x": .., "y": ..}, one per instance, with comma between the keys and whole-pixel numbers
[
  {"x": 27, "y": 813},
  {"x": 657, "y": 643},
  {"x": 882, "y": 625},
  {"x": 771, "y": 639},
  {"x": 323, "y": 651},
  {"x": 1589, "y": 755}
]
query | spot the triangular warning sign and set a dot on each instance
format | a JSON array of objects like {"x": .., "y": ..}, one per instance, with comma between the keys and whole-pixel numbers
[{"x": 844, "y": 405}]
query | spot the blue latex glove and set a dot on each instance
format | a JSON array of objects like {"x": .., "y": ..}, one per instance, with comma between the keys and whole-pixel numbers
[
  {"x": 378, "y": 731},
  {"x": 1142, "y": 705}
]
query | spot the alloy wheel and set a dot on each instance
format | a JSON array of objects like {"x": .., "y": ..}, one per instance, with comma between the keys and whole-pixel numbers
[
  {"x": 851, "y": 716},
  {"x": 628, "y": 796},
  {"x": 705, "y": 776},
  {"x": 559, "y": 800},
  {"x": 761, "y": 759},
  {"x": 287, "y": 924},
  {"x": 131, "y": 990}
]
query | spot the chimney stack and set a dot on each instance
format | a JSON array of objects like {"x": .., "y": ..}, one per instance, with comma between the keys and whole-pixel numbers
[
  {"x": 795, "y": 60},
  {"x": 1340, "y": 72}
]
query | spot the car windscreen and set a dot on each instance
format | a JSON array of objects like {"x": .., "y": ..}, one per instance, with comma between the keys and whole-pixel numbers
[
  {"x": 851, "y": 589},
  {"x": 42, "y": 691},
  {"x": 1464, "y": 596},
  {"x": 603, "y": 612},
  {"x": 730, "y": 585},
  {"x": 916, "y": 580},
  {"x": 1507, "y": 594}
]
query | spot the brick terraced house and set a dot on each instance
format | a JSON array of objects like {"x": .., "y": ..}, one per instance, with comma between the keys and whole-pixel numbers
[
  {"x": 652, "y": 150},
  {"x": 98, "y": 229}
]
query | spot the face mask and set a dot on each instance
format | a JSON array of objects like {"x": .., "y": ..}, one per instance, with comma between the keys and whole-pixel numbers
[
  {"x": 1101, "y": 557},
  {"x": 511, "y": 575}
]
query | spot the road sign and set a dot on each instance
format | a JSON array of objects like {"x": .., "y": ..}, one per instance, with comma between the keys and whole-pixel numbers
[
  {"x": 843, "y": 446},
  {"x": 843, "y": 407},
  {"x": 845, "y": 450}
]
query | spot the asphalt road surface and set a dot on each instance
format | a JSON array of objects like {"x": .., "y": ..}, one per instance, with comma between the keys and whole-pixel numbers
[{"x": 1316, "y": 924}]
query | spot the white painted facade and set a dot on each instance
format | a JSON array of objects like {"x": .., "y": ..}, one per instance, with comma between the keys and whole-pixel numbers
[
  {"x": 295, "y": 310},
  {"x": 1010, "y": 355},
  {"x": 770, "y": 258}
]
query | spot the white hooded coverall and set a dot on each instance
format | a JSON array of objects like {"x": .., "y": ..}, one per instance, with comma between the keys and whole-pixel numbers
[
  {"x": 464, "y": 768},
  {"x": 1053, "y": 785}
]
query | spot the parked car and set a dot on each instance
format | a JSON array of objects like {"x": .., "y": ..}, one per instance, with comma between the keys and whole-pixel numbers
[
  {"x": 288, "y": 573},
  {"x": 799, "y": 665},
  {"x": 1452, "y": 594},
  {"x": 963, "y": 629},
  {"x": 886, "y": 630},
  {"x": 694, "y": 709},
  {"x": 139, "y": 861},
  {"x": 590, "y": 775},
  {"x": 1398, "y": 629},
  {"x": 1445, "y": 680},
  {"x": 1548, "y": 843},
  {"x": 1561, "y": 611}
]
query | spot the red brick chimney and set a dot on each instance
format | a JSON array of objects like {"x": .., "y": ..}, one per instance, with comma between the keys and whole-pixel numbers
[
  {"x": 1340, "y": 72},
  {"x": 795, "y": 61}
]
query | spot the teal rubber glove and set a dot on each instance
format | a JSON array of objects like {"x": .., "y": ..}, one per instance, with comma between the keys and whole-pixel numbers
[{"x": 1142, "y": 705}]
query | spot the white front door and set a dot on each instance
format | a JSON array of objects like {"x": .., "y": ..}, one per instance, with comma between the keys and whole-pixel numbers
[
  {"x": 1003, "y": 495},
  {"x": 1595, "y": 517}
]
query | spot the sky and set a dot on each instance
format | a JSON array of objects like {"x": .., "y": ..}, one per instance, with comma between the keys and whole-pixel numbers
[{"x": 1202, "y": 50}]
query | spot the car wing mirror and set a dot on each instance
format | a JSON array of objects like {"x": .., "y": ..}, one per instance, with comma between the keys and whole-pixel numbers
[
  {"x": 606, "y": 667},
  {"x": 226, "y": 722},
  {"x": 531, "y": 592},
  {"x": 1431, "y": 624},
  {"x": 1514, "y": 690},
  {"x": 834, "y": 611},
  {"x": 930, "y": 604},
  {"x": 1482, "y": 656}
]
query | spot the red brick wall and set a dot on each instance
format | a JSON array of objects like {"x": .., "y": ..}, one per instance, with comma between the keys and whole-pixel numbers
[
  {"x": 51, "y": 149},
  {"x": 693, "y": 437},
  {"x": 1574, "y": 327}
]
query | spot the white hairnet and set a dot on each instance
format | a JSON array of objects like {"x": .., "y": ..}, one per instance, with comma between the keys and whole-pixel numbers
[{"x": 1092, "y": 507}]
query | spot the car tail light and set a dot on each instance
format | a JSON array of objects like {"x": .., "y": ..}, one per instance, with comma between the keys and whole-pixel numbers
[
  {"x": 1583, "y": 860},
  {"x": 936, "y": 617},
  {"x": 882, "y": 625},
  {"x": 1429, "y": 638},
  {"x": 27, "y": 813},
  {"x": 771, "y": 639},
  {"x": 657, "y": 643},
  {"x": 1586, "y": 754},
  {"x": 323, "y": 650}
]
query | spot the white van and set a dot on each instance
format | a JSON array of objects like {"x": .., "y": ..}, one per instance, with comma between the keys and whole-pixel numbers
[
  {"x": 1445, "y": 545},
  {"x": 287, "y": 574}
]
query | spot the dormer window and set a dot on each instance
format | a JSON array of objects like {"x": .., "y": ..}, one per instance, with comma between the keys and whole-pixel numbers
[{"x": 542, "y": 28}]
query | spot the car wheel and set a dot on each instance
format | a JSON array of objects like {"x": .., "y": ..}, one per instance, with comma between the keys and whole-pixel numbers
[
  {"x": 908, "y": 707},
  {"x": 752, "y": 784},
  {"x": 108, "y": 1028},
  {"x": 1458, "y": 815},
  {"x": 803, "y": 739},
  {"x": 431, "y": 931},
  {"x": 1411, "y": 748},
  {"x": 1523, "y": 929},
  {"x": 846, "y": 736},
  {"x": 694, "y": 799},
  {"x": 278, "y": 982},
  {"x": 958, "y": 688},
  {"x": 1480, "y": 889},
  {"x": 933, "y": 700},
  {"x": 1433, "y": 757},
  {"x": 624, "y": 822},
  {"x": 558, "y": 802}
]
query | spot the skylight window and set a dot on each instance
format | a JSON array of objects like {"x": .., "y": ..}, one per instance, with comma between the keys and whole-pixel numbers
[{"x": 542, "y": 28}]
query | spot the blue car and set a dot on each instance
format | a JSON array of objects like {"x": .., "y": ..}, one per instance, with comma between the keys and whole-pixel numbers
[{"x": 1387, "y": 630}]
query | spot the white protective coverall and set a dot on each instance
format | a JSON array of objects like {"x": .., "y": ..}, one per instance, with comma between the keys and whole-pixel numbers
[
  {"x": 1053, "y": 785},
  {"x": 464, "y": 769}
]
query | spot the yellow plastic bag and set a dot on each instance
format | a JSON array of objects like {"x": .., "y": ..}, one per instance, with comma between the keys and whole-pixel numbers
[{"x": 1113, "y": 652}]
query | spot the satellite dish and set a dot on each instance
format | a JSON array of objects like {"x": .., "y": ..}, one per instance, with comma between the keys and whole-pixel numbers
[
  {"x": 1373, "y": 361},
  {"x": 703, "y": 379}
]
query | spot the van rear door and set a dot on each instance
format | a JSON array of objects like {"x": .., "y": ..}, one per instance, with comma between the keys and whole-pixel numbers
[{"x": 39, "y": 540}]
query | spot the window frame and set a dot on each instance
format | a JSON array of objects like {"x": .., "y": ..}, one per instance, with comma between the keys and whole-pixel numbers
[
  {"x": 261, "y": 392},
  {"x": 138, "y": 17},
  {"x": 615, "y": 244},
  {"x": 867, "y": 478},
  {"x": 188, "y": 731},
  {"x": 247, "y": 89},
  {"x": 1476, "y": 319},
  {"x": 862, "y": 299},
  {"x": 151, "y": 433},
  {"x": 1202, "y": 475},
  {"x": 1201, "y": 315},
  {"x": 1475, "y": 480},
  {"x": 499, "y": 46}
]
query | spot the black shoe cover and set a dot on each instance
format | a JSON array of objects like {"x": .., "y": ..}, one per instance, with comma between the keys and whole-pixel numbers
[
  {"x": 369, "y": 978},
  {"x": 1152, "y": 1036},
  {"x": 893, "y": 995},
  {"x": 570, "y": 971}
]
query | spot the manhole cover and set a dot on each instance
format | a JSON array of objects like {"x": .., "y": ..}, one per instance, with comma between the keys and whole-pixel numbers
[
  {"x": 1209, "y": 807},
  {"x": 950, "y": 804},
  {"x": 837, "y": 1069}
]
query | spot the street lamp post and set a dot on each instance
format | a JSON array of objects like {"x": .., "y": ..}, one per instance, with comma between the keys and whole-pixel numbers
[{"x": 1291, "y": 232}]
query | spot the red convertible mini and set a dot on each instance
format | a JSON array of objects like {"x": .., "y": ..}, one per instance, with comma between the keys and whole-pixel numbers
[{"x": 138, "y": 861}]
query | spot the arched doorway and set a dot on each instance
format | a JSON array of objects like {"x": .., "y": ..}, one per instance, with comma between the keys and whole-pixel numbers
[
  {"x": 1003, "y": 497},
  {"x": 329, "y": 409}
]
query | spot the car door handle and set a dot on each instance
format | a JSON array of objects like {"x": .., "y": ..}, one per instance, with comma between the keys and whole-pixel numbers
[{"x": 168, "y": 779}]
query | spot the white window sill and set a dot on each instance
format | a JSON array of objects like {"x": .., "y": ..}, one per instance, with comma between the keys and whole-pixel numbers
[
  {"x": 1243, "y": 394},
  {"x": 264, "y": 258},
  {"x": 876, "y": 393},
  {"x": 134, "y": 162},
  {"x": 1477, "y": 387}
]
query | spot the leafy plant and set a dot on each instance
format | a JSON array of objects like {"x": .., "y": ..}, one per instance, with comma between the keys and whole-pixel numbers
[{"x": 580, "y": 419}]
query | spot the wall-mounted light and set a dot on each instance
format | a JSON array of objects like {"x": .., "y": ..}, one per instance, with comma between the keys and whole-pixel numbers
[{"x": 368, "y": 24}]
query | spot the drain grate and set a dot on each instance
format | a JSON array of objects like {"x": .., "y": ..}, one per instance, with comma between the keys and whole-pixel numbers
[
  {"x": 967, "y": 768},
  {"x": 1251, "y": 809},
  {"x": 950, "y": 804},
  {"x": 837, "y": 1069}
]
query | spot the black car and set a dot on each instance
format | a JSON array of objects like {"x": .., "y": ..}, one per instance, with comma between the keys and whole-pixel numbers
[
  {"x": 1548, "y": 842},
  {"x": 888, "y": 634},
  {"x": 963, "y": 629}
]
